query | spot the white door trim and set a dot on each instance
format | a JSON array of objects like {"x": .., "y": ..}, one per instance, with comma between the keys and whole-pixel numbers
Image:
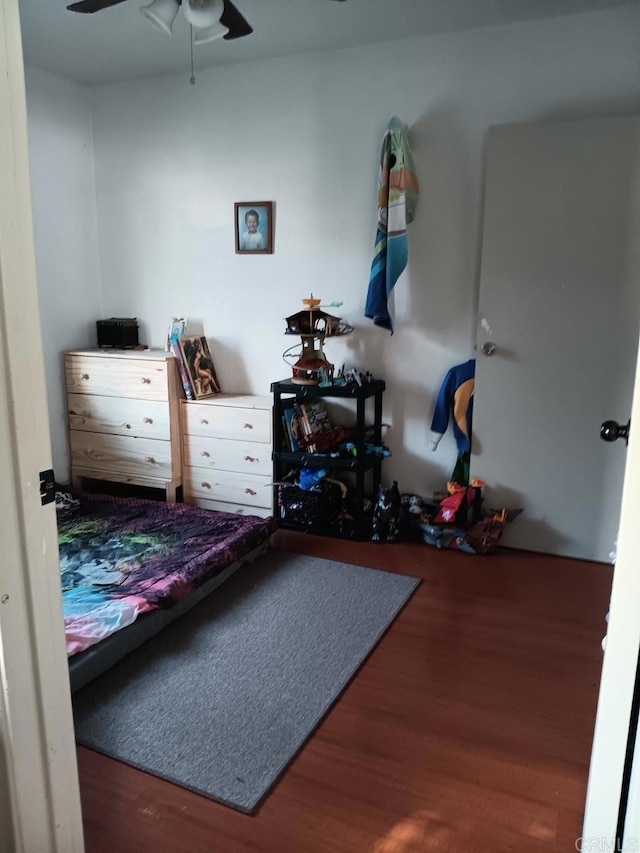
[{"x": 38, "y": 770}]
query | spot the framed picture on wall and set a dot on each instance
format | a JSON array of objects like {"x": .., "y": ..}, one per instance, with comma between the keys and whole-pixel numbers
[
  {"x": 254, "y": 227},
  {"x": 199, "y": 364}
]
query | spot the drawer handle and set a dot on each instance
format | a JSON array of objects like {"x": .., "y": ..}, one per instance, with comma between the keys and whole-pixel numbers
[
  {"x": 250, "y": 492},
  {"x": 84, "y": 376},
  {"x": 127, "y": 426},
  {"x": 250, "y": 459},
  {"x": 205, "y": 453},
  {"x": 147, "y": 420},
  {"x": 206, "y": 485},
  {"x": 248, "y": 426},
  {"x": 204, "y": 421},
  {"x": 150, "y": 459},
  {"x": 145, "y": 381}
]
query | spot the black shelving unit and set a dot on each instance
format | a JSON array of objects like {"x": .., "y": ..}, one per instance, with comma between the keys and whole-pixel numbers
[{"x": 360, "y": 465}]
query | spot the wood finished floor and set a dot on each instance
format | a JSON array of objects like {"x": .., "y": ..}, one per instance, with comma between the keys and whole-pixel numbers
[{"x": 468, "y": 729}]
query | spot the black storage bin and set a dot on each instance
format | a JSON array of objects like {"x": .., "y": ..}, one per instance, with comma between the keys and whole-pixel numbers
[{"x": 310, "y": 510}]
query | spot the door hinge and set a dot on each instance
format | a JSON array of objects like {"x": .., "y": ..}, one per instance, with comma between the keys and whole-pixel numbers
[{"x": 47, "y": 487}]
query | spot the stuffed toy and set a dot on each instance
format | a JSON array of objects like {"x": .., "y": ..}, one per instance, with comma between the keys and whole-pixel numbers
[
  {"x": 416, "y": 505},
  {"x": 308, "y": 478}
]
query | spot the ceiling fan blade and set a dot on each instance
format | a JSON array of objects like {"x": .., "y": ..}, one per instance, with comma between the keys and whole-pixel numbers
[
  {"x": 89, "y": 6},
  {"x": 233, "y": 21},
  {"x": 231, "y": 18}
]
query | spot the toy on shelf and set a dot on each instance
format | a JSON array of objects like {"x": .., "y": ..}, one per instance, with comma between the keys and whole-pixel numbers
[
  {"x": 372, "y": 449},
  {"x": 308, "y": 478},
  {"x": 327, "y": 441},
  {"x": 313, "y": 325}
]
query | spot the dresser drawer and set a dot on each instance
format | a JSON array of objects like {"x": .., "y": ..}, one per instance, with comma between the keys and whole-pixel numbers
[
  {"x": 142, "y": 379},
  {"x": 249, "y": 489},
  {"x": 221, "y": 454},
  {"x": 239, "y": 424},
  {"x": 119, "y": 416},
  {"x": 145, "y": 457}
]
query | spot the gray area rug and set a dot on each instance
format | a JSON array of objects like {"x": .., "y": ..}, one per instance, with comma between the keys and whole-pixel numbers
[{"x": 222, "y": 700}]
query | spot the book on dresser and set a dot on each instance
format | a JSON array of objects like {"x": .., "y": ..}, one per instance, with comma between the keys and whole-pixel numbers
[{"x": 184, "y": 376}]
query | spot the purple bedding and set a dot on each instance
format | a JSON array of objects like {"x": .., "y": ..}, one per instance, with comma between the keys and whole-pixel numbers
[{"x": 120, "y": 557}]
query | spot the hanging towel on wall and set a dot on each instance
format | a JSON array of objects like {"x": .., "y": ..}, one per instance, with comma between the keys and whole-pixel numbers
[{"x": 397, "y": 199}]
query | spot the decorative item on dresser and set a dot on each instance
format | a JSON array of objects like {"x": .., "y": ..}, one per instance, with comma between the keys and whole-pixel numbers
[
  {"x": 227, "y": 454},
  {"x": 124, "y": 420}
]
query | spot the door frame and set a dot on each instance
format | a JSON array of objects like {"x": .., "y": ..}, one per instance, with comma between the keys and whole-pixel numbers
[
  {"x": 40, "y": 804},
  {"x": 38, "y": 769}
]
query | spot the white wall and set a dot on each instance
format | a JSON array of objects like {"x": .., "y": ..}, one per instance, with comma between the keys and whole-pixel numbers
[
  {"x": 64, "y": 215},
  {"x": 7, "y": 840},
  {"x": 305, "y": 132}
]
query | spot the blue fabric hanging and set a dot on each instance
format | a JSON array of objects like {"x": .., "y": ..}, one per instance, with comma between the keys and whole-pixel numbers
[{"x": 397, "y": 199}]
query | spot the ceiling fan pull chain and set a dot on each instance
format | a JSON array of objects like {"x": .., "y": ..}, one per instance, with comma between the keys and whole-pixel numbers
[{"x": 192, "y": 79}]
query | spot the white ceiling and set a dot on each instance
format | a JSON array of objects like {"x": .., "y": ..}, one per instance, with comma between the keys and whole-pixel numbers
[{"x": 119, "y": 43}]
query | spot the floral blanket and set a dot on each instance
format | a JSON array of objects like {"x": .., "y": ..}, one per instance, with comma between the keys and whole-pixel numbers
[{"x": 120, "y": 557}]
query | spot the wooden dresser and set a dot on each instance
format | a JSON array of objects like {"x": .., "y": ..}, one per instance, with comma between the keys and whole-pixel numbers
[
  {"x": 124, "y": 418},
  {"x": 227, "y": 454}
]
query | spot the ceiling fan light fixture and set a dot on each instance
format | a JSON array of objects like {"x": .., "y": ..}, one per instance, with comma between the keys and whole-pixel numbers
[
  {"x": 161, "y": 13},
  {"x": 217, "y": 31},
  {"x": 203, "y": 14}
]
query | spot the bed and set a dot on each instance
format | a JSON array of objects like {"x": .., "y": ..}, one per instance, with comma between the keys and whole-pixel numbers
[{"x": 129, "y": 567}]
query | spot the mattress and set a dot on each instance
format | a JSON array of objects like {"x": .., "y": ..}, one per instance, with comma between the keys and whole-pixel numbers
[{"x": 129, "y": 567}]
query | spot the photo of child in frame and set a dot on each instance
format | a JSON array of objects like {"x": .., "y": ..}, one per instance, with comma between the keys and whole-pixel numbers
[
  {"x": 199, "y": 364},
  {"x": 254, "y": 227}
]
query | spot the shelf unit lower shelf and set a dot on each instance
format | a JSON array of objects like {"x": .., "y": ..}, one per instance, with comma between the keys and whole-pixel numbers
[{"x": 359, "y": 527}]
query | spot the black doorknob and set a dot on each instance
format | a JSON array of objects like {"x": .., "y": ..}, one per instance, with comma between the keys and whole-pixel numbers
[{"x": 612, "y": 430}]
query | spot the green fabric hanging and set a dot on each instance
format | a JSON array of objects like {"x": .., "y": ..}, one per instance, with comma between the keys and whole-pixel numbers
[{"x": 461, "y": 470}]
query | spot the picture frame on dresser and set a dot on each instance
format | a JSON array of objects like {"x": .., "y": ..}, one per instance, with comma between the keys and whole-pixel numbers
[{"x": 198, "y": 363}]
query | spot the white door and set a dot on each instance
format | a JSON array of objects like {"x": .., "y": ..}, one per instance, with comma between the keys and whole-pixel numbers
[
  {"x": 618, "y": 675},
  {"x": 559, "y": 298}
]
